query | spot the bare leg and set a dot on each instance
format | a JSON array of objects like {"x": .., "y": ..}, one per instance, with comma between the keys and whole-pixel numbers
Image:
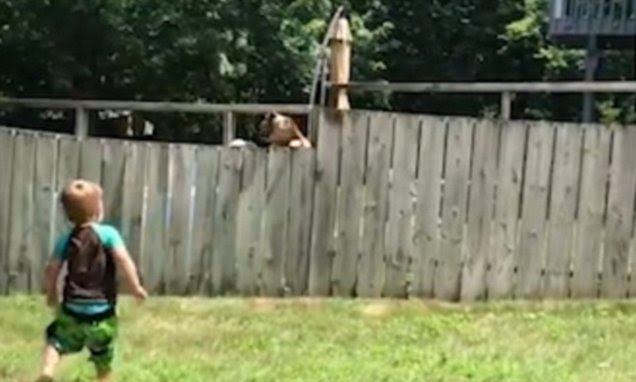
[{"x": 50, "y": 359}]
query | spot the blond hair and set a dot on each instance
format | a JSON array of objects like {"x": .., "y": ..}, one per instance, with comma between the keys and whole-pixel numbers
[{"x": 82, "y": 201}]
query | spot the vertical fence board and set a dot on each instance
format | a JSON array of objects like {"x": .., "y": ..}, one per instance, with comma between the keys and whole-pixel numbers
[
  {"x": 224, "y": 225},
  {"x": 480, "y": 213},
  {"x": 534, "y": 209},
  {"x": 399, "y": 246},
  {"x": 500, "y": 278},
  {"x": 565, "y": 180},
  {"x": 181, "y": 170},
  {"x": 349, "y": 214},
  {"x": 90, "y": 162},
  {"x": 44, "y": 205},
  {"x": 7, "y": 141},
  {"x": 113, "y": 161},
  {"x": 273, "y": 235},
  {"x": 133, "y": 198},
  {"x": 371, "y": 263},
  {"x": 155, "y": 228},
  {"x": 447, "y": 274},
  {"x": 67, "y": 170},
  {"x": 250, "y": 212},
  {"x": 299, "y": 231},
  {"x": 207, "y": 159},
  {"x": 21, "y": 214},
  {"x": 326, "y": 174},
  {"x": 428, "y": 188},
  {"x": 594, "y": 175},
  {"x": 620, "y": 209}
]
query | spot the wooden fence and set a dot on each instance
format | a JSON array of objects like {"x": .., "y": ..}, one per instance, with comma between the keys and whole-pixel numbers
[{"x": 387, "y": 205}]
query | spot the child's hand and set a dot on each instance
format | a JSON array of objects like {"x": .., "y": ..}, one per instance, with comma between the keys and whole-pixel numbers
[{"x": 140, "y": 293}]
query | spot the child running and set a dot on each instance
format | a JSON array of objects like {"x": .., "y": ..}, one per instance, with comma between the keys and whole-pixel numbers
[{"x": 92, "y": 252}]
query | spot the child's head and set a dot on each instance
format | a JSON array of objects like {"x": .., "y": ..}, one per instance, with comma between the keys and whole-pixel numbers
[{"x": 82, "y": 201}]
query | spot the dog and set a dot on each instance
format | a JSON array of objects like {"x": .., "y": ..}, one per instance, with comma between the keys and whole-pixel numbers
[{"x": 282, "y": 131}]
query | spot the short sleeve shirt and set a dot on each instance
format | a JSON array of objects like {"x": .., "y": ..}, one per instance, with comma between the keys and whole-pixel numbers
[{"x": 109, "y": 236}]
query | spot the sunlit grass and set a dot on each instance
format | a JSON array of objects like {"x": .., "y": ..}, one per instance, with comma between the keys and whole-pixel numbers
[{"x": 196, "y": 339}]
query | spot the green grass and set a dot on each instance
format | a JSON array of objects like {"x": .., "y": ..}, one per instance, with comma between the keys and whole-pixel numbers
[{"x": 179, "y": 339}]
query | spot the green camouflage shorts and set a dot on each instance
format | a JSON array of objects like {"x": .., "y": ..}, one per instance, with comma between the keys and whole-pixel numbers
[{"x": 68, "y": 335}]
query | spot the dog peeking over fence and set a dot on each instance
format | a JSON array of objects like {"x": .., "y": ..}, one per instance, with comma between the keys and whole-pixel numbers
[{"x": 279, "y": 130}]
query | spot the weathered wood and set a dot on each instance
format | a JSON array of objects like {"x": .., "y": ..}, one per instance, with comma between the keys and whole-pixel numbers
[
  {"x": 90, "y": 162},
  {"x": 534, "y": 210},
  {"x": 479, "y": 227},
  {"x": 399, "y": 246},
  {"x": 113, "y": 161},
  {"x": 224, "y": 225},
  {"x": 563, "y": 200},
  {"x": 44, "y": 207},
  {"x": 428, "y": 189},
  {"x": 589, "y": 230},
  {"x": 620, "y": 209},
  {"x": 67, "y": 170},
  {"x": 447, "y": 275},
  {"x": 326, "y": 175},
  {"x": 371, "y": 263},
  {"x": 273, "y": 235},
  {"x": 349, "y": 213},
  {"x": 207, "y": 159},
  {"x": 155, "y": 227},
  {"x": 133, "y": 198},
  {"x": 299, "y": 230},
  {"x": 19, "y": 251},
  {"x": 181, "y": 173},
  {"x": 7, "y": 141},
  {"x": 501, "y": 277},
  {"x": 249, "y": 218}
]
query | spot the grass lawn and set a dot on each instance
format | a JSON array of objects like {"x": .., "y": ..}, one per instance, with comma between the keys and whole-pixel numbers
[{"x": 194, "y": 339}]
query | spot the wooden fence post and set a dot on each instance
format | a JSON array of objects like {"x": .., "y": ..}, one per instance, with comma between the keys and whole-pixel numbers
[
  {"x": 506, "y": 105},
  {"x": 81, "y": 122},
  {"x": 229, "y": 127}
]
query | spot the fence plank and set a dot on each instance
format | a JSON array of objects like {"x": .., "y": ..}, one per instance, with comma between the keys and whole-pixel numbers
[
  {"x": 429, "y": 189},
  {"x": 534, "y": 210},
  {"x": 155, "y": 227},
  {"x": 44, "y": 206},
  {"x": 447, "y": 274},
  {"x": 133, "y": 198},
  {"x": 620, "y": 209},
  {"x": 202, "y": 240},
  {"x": 113, "y": 161},
  {"x": 67, "y": 170},
  {"x": 565, "y": 180},
  {"x": 224, "y": 226},
  {"x": 594, "y": 175},
  {"x": 21, "y": 214},
  {"x": 349, "y": 214},
  {"x": 500, "y": 278},
  {"x": 399, "y": 247},
  {"x": 90, "y": 162},
  {"x": 473, "y": 285},
  {"x": 250, "y": 213},
  {"x": 299, "y": 231},
  {"x": 371, "y": 263},
  {"x": 273, "y": 236},
  {"x": 326, "y": 174},
  {"x": 181, "y": 171},
  {"x": 7, "y": 141}
]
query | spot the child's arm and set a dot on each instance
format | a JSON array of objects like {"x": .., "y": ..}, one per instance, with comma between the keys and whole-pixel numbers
[
  {"x": 51, "y": 275},
  {"x": 127, "y": 266}
]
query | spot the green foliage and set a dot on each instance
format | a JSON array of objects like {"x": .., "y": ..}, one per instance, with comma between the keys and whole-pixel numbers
[{"x": 265, "y": 51}]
